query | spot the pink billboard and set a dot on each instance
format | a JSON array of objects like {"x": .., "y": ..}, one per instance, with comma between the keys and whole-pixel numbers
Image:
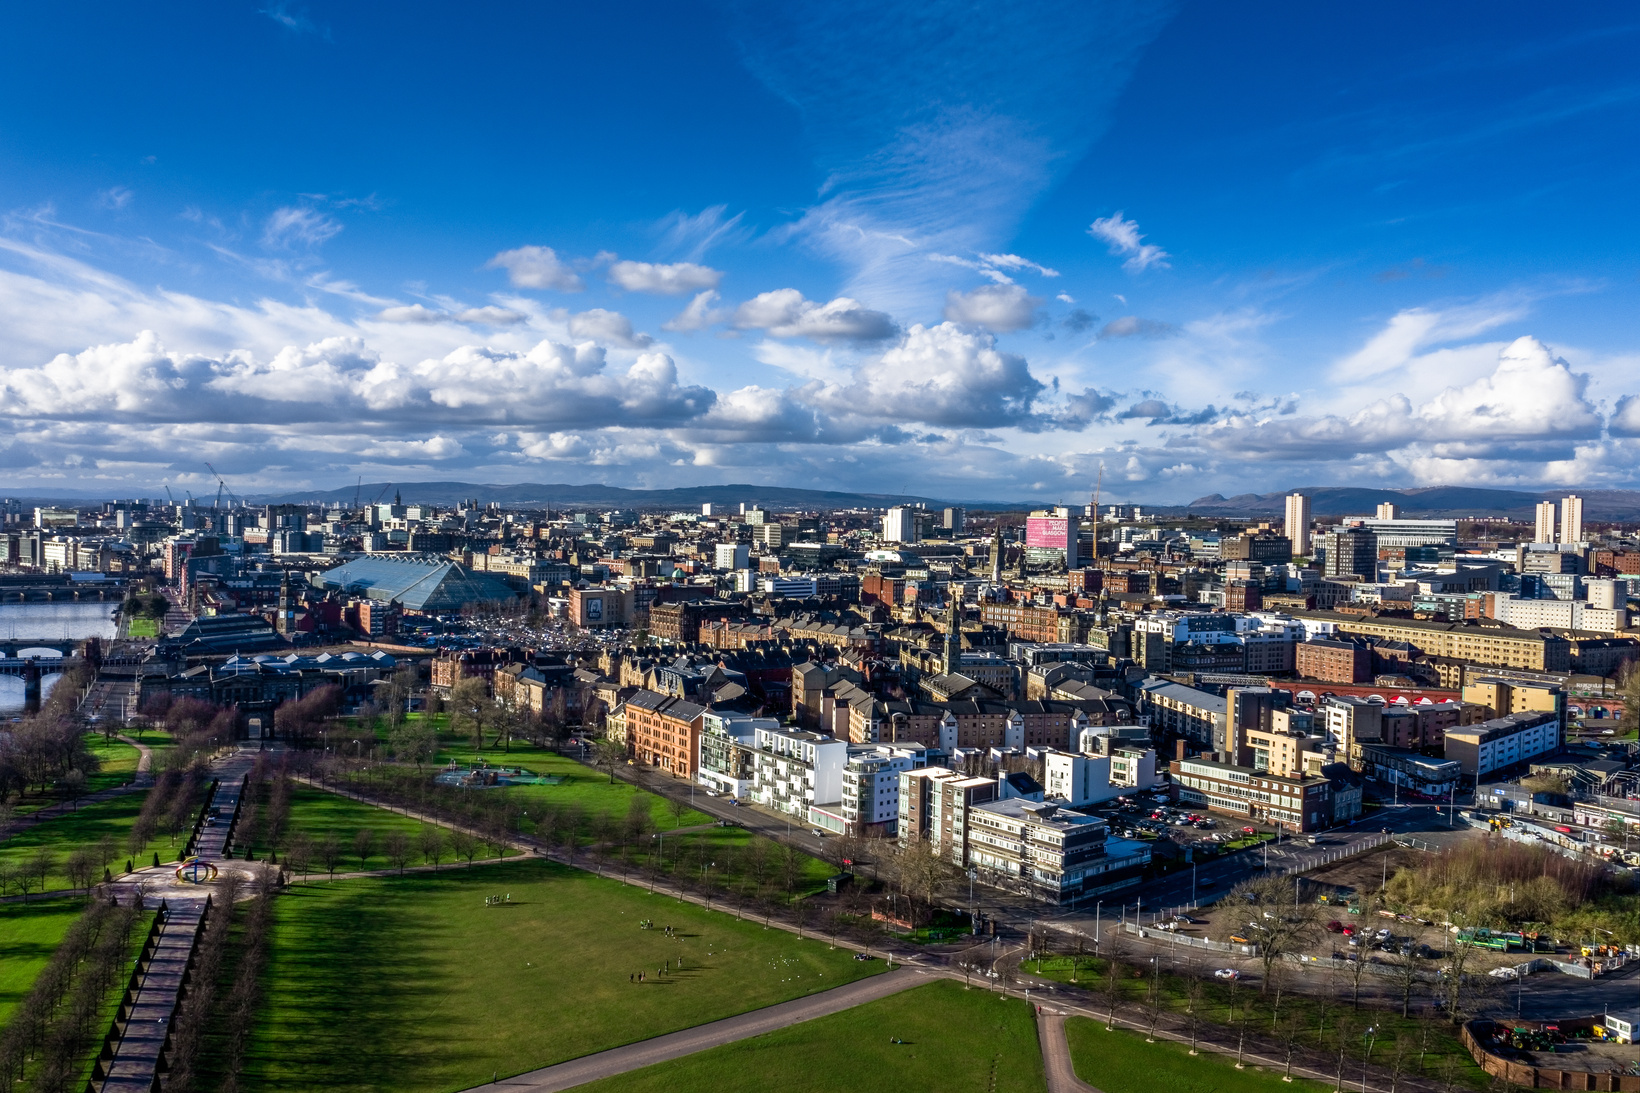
[{"x": 1048, "y": 532}]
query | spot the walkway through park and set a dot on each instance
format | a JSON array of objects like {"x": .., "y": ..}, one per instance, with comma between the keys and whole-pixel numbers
[
  {"x": 139, "y": 1050},
  {"x": 1056, "y": 1055},
  {"x": 590, "y": 1068}
]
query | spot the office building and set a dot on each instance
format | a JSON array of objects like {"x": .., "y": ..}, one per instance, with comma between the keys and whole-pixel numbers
[
  {"x": 1503, "y": 742},
  {"x": 1297, "y": 525},
  {"x": 1352, "y": 552}
]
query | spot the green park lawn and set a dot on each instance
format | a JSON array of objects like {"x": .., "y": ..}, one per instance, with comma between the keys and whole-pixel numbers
[
  {"x": 29, "y": 934},
  {"x": 412, "y": 983},
  {"x": 1121, "y": 1062},
  {"x": 84, "y": 828},
  {"x": 954, "y": 1039},
  {"x": 117, "y": 762},
  {"x": 318, "y": 814}
]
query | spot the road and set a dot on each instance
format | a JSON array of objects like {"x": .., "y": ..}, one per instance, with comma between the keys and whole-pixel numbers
[{"x": 1056, "y": 1054}]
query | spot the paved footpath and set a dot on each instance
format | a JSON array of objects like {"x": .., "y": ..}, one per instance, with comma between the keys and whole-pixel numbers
[
  {"x": 1056, "y": 1055},
  {"x": 590, "y": 1068},
  {"x": 137, "y": 1055}
]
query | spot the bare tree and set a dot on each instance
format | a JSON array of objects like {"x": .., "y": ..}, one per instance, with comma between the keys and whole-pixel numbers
[
  {"x": 364, "y": 845},
  {"x": 330, "y": 853},
  {"x": 299, "y": 855},
  {"x": 1406, "y": 979},
  {"x": 81, "y": 870},
  {"x": 1288, "y": 1035},
  {"x": 608, "y": 756},
  {"x": 464, "y": 844},
  {"x": 40, "y": 865},
  {"x": 397, "y": 846},
  {"x": 430, "y": 841}
]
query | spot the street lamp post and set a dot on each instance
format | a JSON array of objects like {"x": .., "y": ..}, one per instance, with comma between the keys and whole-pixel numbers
[
  {"x": 1193, "y": 867},
  {"x": 1096, "y": 908}
]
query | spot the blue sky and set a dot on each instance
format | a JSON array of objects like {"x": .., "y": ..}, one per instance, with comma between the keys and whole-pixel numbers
[{"x": 967, "y": 251}]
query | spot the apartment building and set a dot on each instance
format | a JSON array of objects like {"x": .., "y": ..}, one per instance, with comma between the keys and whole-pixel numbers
[
  {"x": 1184, "y": 711},
  {"x": 664, "y": 731},
  {"x": 934, "y": 807},
  {"x": 1503, "y": 742},
  {"x": 1478, "y": 643},
  {"x": 727, "y": 741},
  {"x": 871, "y": 787}
]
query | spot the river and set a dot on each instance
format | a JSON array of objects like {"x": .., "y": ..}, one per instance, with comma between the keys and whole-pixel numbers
[{"x": 50, "y": 622}]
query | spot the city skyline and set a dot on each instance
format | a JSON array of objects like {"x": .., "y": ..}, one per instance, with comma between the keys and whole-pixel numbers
[{"x": 839, "y": 249}]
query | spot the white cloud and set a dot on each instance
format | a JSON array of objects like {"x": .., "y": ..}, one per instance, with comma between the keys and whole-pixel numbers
[
  {"x": 434, "y": 447},
  {"x": 603, "y": 325},
  {"x": 999, "y": 307},
  {"x": 941, "y": 375},
  {"x": 1131, "y": 326},
  {"x": 1415, "y": 329},
  {"x": 536, "y": 267},
  {"x": 662, "y": 279},
  {"x": 784, "y": 313},
  {"x": 1015, "y": 262},
  {"x": 417, "y": 313},
  {"x": 115, "y": 197},
  {"x": 292, "y": 225},
  {"x": 1124, "y": 238},
  {"x": 699, "y": 315}
]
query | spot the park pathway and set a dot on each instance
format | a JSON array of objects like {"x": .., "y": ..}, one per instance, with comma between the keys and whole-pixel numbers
[
  {"x": 1056, "y": 1054},
  {"x": 139, "y": 1051},
  {"x": 675, "y": 1045}
]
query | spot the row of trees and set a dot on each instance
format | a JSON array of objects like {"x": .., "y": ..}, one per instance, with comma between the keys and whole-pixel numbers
[
  {"x": 40, "y": 752},
  {"x": 52, "y": 1030}
]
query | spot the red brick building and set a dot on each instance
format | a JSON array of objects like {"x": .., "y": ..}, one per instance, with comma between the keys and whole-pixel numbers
[
  {"x": 663, "y": 731},
  {"x": 1333, "y": 660}
]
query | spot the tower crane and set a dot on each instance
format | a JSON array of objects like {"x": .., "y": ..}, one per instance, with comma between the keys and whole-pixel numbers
[{"x": 221, "y": 484}]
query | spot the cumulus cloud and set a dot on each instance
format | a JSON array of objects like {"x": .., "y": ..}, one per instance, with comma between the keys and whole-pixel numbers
[
  {"x": 699, "y": 315},
  {"x": 1124, "y": 237},
  {"x": 999, "y": 307},
  {"x": 1531, "y": 398},
  {"x": 343, "y": 379},
  {"x": 1625, "y": 419},
  {"x": 602, "y": 325},
  {"x": 537, "y": 267},
  {"x": 291, "y": 226},
  {"x": 785, "y": 313},
  {"x": 664, "y": 280},
  {"x": 940, "y": 375}
]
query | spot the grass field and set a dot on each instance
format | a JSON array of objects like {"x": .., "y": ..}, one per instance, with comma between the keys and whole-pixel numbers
[
  {"x": 118, "y": 762},
  {"x": 1121, "y": 1062},
  {"x": 412, "y": 983},
  {"x": 29, "y": 934},
  {"x": 954, "y": 1039},
  {"x": 318, "y": 814},
  {"x": 137, "y": 627},
  {"x": 83, "y": 829},
  {"x": 1443, "y": 1044}
]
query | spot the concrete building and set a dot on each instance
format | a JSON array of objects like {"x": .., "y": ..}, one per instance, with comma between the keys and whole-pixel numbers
[
  {"x": 1545, "y": 523},
  {"x": 1352, "y": 552},
  {"x": 799, "y": 772},
  {"x": 1503, "y": 742},
  {"x": 1571, "y": 519},
  {"x": 1297, "y": 804},
  {"x": 1297, "y": 524},
  {"x": 934, "y": 803},
  {"x": 900, "y": 525},
  {"x": 728, "y": 557},
  {"x": 1049, "y": 853}
]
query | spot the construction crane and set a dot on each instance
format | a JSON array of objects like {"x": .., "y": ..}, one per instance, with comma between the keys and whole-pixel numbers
[
  {"x": 221, "y": 484},
  {"x": 1097, "y": 486},
  {"x": 170, "y": 496},
  {"x": 382, "y": 494},
  {"x": 357, "y": 486}
]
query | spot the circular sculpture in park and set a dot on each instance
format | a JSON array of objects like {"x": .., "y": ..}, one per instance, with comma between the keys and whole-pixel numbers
[{"x": 195, "y": 870}]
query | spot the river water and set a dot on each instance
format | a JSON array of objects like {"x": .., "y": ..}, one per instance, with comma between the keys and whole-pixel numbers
[{"x": 49, "y": 622}]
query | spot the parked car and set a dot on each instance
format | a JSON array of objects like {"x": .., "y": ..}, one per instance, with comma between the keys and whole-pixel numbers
[
  {"x": 1227, "y": 973},
  {"x": 1335, "y": 927},
  {"x": 1504, "y": 973},
  {"x": 1249, "y": 831}
]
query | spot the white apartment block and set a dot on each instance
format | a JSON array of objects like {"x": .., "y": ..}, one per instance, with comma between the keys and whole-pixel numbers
[
  {"x": 1503, "y": 741},
  {"x": 1297, "y": 524},
  {"x": 871, "y": 787},
  {"x": 793, "y": 770}
]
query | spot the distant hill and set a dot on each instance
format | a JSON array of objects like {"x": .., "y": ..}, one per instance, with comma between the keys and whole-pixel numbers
[
  {"x": 1427, "y": 501},
  {"x": 560, "y": 495}
]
